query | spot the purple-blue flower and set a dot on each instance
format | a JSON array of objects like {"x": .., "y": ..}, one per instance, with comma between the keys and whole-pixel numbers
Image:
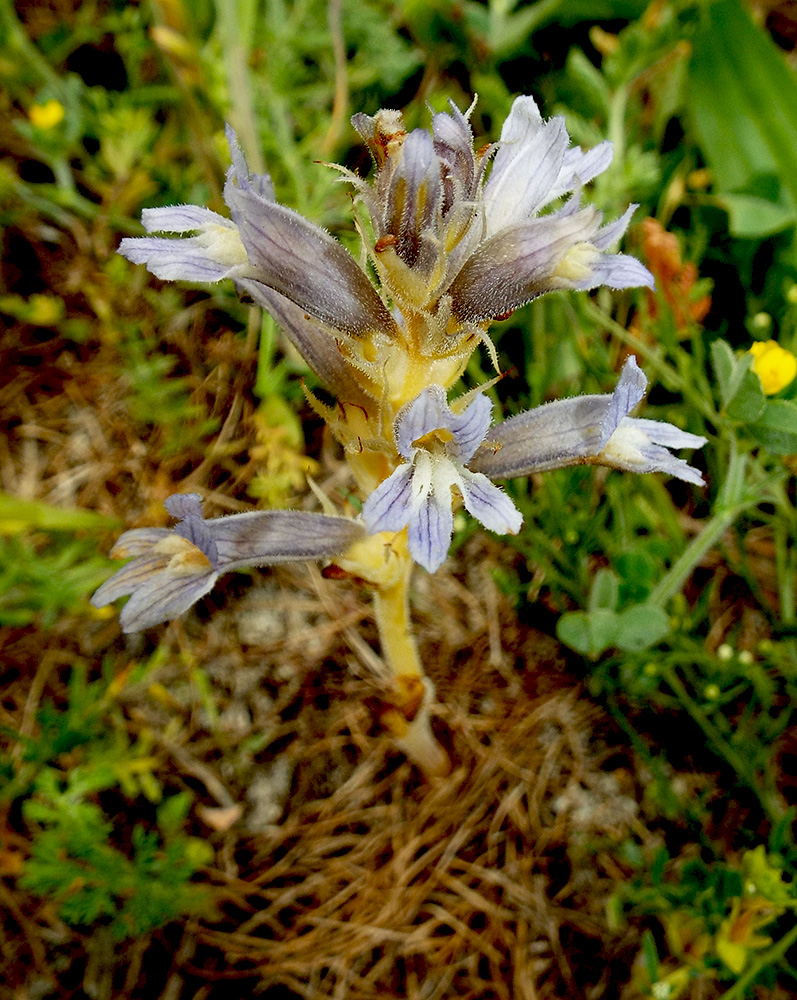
[
  {"x": 171, "y": 568},
  {"x": 437, "y": 444},
  {"x": 588, "y": 430},
  {"x": 310, "y": 284},
  {"x": 458, "y": 240},
  {"x": 489, "y": 245}
]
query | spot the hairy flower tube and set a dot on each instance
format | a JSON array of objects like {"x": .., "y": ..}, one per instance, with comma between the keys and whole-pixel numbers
[
  {"x": 456, "y": 237},
  {"x": 170, "y": 569},
  {"x": 588, "y": 430}
]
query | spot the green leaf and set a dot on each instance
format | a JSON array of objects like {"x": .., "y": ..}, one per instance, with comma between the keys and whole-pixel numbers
[
  {"x": 508, "y": 34},
  {"x": 17, "y": 515},
  {"x": 173, "y": 812},
  {"x": 641, "y": 627},
  {"x": 638, "y": 573},
  {"x": 604, "y": 592},
  {"x": 777, "y": 428},
  {"x": 748, "y": 401},
  {"x": 752, "y": 217},
  {"x": 588, "y": 633},
  {"x": 743, "y": 103},
  {"x": 651, "y": 956},
  {"x": 724, "y": 365},
  {"x": 593, "y": 90},
  {"x": 197, "y": 852},
  {"x": 740, "y": 388}
]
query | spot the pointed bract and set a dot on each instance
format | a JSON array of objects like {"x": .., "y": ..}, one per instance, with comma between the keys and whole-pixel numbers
[
  {"x": 304, "y": 263},
  {"x": 315, "y": 342}
]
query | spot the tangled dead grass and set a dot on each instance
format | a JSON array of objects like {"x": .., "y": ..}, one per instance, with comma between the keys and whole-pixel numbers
[{"x": 387, "y": 887}]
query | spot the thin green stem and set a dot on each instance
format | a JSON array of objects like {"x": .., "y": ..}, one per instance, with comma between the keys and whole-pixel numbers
[
  {"x": 341, "y": 100},
  {"x": 737, "y": 761},
  {"x": 617, "y": 130},
  {"x": 672, "y": 583},
  {"x": 732, "y": 501},
  {"x": 235, "y": 44},
  {"x": 17, "y": 39}
]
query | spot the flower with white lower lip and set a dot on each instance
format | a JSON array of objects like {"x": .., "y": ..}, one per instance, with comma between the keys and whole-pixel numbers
[{"x": 437, "y": 445}]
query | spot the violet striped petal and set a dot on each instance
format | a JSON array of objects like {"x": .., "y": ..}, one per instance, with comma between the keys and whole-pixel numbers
[
  {"x": 430, "y": 530},
  {"x": 489, "y": 504},
  {"x": 181, "y": 219},
  {"x": 426, "y": 413},
  {"x": 419, "y": 493},
  {"x": 525, "y": 169},
  {"x": 628, "y": 393},
  {"x": 206, "y": 258},
  {"x": 389, "y": 507},
  {"x": 171, "y": 597},
  {"x": 129, "y": 577},
  {"x": 641, "y": 446},
  {"x": 469, "y": 427},
  {"x": 137, "y": 541}
]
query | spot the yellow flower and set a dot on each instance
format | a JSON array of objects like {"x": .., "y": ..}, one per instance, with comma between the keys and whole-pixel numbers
[
  {"x": 738, "y": 935},
  {"x": 47, "y": 115},
  {"x": 774, "y": 365}
]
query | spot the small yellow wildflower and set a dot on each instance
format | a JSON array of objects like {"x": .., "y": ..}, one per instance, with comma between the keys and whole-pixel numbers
[
  {"x": 774, "y": 365},
  {"x": 44, "y": 310},
  {"x": 738, "y": 937},
  {"x": 47, "y": 115}
]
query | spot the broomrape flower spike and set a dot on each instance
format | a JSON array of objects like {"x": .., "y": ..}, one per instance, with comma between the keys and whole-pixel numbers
[{"x": 458, "y": 237}]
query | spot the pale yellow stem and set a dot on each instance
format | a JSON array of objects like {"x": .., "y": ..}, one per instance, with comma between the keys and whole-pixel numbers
[
  {"x": 392, "y": 610},
  {"x": 410, "y": 720},
  {"x": 385, "y": 563}
]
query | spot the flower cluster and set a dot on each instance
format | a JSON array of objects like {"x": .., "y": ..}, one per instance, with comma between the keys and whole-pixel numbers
[{"x": 458, "y": 237}]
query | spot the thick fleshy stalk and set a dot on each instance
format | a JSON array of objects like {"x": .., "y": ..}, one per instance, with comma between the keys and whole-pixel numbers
[
  {"x": 410, "y": 721},
  {"x": 385, "y": 563}
]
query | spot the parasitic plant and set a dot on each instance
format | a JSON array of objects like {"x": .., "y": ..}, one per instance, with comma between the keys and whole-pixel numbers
[{"x": 457, "y": 239}]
